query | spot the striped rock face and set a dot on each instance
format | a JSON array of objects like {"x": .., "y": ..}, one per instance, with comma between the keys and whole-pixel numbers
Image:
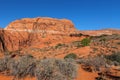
[
  {"x": 30, "y": 31},
  {"x": 42, "y": 24}
]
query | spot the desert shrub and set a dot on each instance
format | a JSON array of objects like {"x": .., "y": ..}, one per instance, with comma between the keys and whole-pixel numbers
[
  {"x": 101, "y": 36},
  {"x": 118, "y": 43},
  {"x": 23, "y": 66},
  {"x": 3, "y": 66},
  {"x": 80, "y": 60},
  {"x": 103, "y": 39},
  {"x": 54, "y": 69},
  {"x": 95, "y": 62},
  {"x": 71, "y": 55},
  {"x": 44, "y": 69},
  {"x": 59, "y": 46},
  {"x": 99, "y": 78},
  {"x": 3, "y": 63},
  {"x": 59, "y": 76},
  {"x": 67, "y": 68},
  {"x": 114, "y": 57},
  {"x": 85, "y": 42}
]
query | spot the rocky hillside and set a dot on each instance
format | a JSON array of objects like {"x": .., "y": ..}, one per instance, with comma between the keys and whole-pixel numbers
[
  {"x": 50, "y": 41},
  {"x": 42, "y": 32}
]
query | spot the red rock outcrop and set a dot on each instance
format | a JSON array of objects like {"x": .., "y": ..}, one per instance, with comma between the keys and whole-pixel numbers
[
  {"x": 30, "y": 31},
  {"x": 100, "y": 32},
  {"x": 41, "y": 24}
]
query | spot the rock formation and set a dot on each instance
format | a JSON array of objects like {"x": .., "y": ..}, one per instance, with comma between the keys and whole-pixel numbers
[
  {"x": 28, "y": 31},
  {"x": 41, "y": 24}
]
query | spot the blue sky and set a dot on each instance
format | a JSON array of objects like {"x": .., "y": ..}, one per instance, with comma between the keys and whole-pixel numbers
[{"x": 85, "y": 14}]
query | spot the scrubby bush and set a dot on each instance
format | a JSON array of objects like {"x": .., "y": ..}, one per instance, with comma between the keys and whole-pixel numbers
[
  {"x": 59, "y": 76},
  {"x": 95, "y": 62},
  {"x": 4, "y": 63},
  {"x": 67, "y": 68},
  {"x": 46, "y": 69},
  {"x": 71, "y": 55},
  {"x": 85, "y": 42},
  {"x": 59, "y": 46},
  {"x": 114, "y": 57},
  {"x": 103, "y": 39},
  {"x": 23, "y": 66},
  {"x": 3, "y": 66},
  {"x": 54, "y": 69},
  {"x": 118, "y": 43},
  {"x": 99, "y": 78}
]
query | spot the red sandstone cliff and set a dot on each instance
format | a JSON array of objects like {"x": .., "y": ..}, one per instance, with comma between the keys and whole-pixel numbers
[
  {"x": 42, "y": 24},
  {"x": 28, "y": 32}
]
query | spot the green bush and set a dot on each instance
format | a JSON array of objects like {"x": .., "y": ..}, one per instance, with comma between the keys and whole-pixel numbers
[
  {"x": 114, "y": 57},
  {"x": 71, "y": 55},
  {"x": 85, "y": 42}
]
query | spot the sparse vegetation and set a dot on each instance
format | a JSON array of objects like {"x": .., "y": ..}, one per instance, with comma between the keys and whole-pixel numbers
[
  {"x": 59, "y": 46},
  {"x": 114, "y": 57},
  {"x": 67, "y": 68},
  {"x": 22, "y": 67},
  {"x": 3, "y": 65},
  {"x": 85, "y": 42},
  {"x": 99, "y": 78},
  {"x": 95, "y": 62},
  {"x": 118, "y": 43},
  {"x": 71, "y": 55},
  {"x": 103, "y": 39},
  {"x": 45, "y": 69},
  {"x": 55, "y": 69}
]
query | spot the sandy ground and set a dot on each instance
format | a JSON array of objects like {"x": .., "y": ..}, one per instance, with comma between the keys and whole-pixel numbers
[{"x": 83, "y": 75}]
